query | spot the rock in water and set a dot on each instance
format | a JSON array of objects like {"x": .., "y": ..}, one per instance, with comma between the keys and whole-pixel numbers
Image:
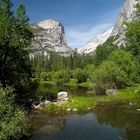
[
  {"x": 62, "y": 96},
  {"x": 110, "y": 92},
  {"x": 50, "y": 36}
]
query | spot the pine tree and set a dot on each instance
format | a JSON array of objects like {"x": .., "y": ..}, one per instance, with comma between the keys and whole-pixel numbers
[{"x": 15, "y": 38}]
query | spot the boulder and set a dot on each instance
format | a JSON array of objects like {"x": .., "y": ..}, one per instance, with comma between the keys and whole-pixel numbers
[
  {"x": 37, "y": 107},
  {"x": 46, "y": 102},
  {"x": 62, "y": 96},
  {"x": 68, "y": 110},
  {"x": 110, "y": 92},
  {"x": 138, "y": 110},
  {"x": 75, "y": 110}
]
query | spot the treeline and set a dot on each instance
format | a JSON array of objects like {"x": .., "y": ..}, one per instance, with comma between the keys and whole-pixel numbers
[{"x": 55, "y": 62}]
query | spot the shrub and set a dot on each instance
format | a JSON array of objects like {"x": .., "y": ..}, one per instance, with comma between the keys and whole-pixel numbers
[
  {"x": 103, "y": 51},
  {"x": 80, "y": 75},
  {"x": 89, "y": 69},
  {"x": 119, "y": 70},
  {"x": 13, "y": 120},
  {"x": 46, "y": 76}
]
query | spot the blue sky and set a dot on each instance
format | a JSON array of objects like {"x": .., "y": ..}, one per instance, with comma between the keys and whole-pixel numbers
[{"x": 82, "y": 19}]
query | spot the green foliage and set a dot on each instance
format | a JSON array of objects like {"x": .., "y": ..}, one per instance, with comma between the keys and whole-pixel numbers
[
  {"x": 133, "y": 36},
  {"x": 103, "y": 51},
  {"x": 126, "y": 95},
  {"x": 13, "y": 120},
  {"x": 46, "y": 91},
  {"x": 119, "y": 70},
  {"x": 127, "y": 63},
  {"x": 46, "y": 76},
  {"x": 108, "y": 75},
  {"x": 90, "y": 69},
  {"x": 80, "y": 75},
  {"x": 55, "y": 62},
  {"x": 15, "y": 38},
  {"x": 82, "y": 104}
]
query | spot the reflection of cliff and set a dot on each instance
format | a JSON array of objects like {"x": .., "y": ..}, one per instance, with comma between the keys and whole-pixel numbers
[
  {"x": 47, "y": 125},
  {"x": 124, "y": 118}
]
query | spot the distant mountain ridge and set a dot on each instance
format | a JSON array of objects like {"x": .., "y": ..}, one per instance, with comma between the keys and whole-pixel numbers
[
  {"x": 96, "y": 41},
  {"x": 128, "y": 13}
]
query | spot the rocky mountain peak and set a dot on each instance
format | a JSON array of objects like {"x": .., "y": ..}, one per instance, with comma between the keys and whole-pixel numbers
[
  {"x": 50, "y": 36},
  {"x": 50, "y": 24},
  {"x": 128, "y": 13}
]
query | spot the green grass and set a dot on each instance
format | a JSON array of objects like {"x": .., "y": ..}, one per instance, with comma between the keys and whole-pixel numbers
[
  {"x": 48, "y": 82},
  {"x": 127, "y": 95},
  {"x": 91, "y": 92},
  {"x": 86, "y": 84},
  {"x": 131, "y": 94},
  {"x": 82, "y": 104},
  {"x": 72, "y": 83}
]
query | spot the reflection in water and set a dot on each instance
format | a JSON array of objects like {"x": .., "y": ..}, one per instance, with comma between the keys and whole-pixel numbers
[
  {"x": 107, "y": 122},
  {"x": 72, "y": 127},
  {"x": 50, "y": 91},
  {"x": 44, "y": 125},
  {"x": 125, "y": 118}
]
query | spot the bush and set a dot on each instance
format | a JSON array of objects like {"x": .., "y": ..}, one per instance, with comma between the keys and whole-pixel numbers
[
  {"x": 127, "y": 63},
  {"x": 46, "y": 76},
  {"x": 80, "y": 75},
  {"x": 62, "y": 76},
  {"x": 89, "y": 69},
  {"x": 13, "y": 120},
  {"x": 103, "y": 51},
  {"x": 119, "y": 70}
]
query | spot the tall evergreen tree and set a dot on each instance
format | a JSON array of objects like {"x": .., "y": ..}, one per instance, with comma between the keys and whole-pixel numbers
[{"x": 15, "y": 38}]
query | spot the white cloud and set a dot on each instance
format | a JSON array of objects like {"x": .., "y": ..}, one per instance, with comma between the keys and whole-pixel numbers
[{"x": 77, "y": 36}]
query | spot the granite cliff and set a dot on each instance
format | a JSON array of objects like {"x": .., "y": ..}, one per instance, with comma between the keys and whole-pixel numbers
[
  {"x": 49, "y": 36},
  {"x": 128, "y": 13}
]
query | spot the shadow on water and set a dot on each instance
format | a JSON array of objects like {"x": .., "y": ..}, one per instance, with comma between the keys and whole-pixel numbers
[{"x": 109, "y": 122}]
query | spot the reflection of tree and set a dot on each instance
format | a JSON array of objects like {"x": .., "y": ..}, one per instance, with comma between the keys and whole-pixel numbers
[
  {"x": 124, "y": 118},
  {"x": 47, "y": 125}
]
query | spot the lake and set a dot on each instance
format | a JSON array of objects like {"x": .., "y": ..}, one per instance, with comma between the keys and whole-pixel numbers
[{"x": 104, "y": 122}]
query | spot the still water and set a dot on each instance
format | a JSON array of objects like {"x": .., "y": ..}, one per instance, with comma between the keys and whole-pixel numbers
[{"x": 105, "y": 122}]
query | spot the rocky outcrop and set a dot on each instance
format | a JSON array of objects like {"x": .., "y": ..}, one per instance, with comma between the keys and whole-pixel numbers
[
  {"x": 128, "y": 13},
  {"x": 50, "y": 36},
  {"x": 96, "y": 41}
]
